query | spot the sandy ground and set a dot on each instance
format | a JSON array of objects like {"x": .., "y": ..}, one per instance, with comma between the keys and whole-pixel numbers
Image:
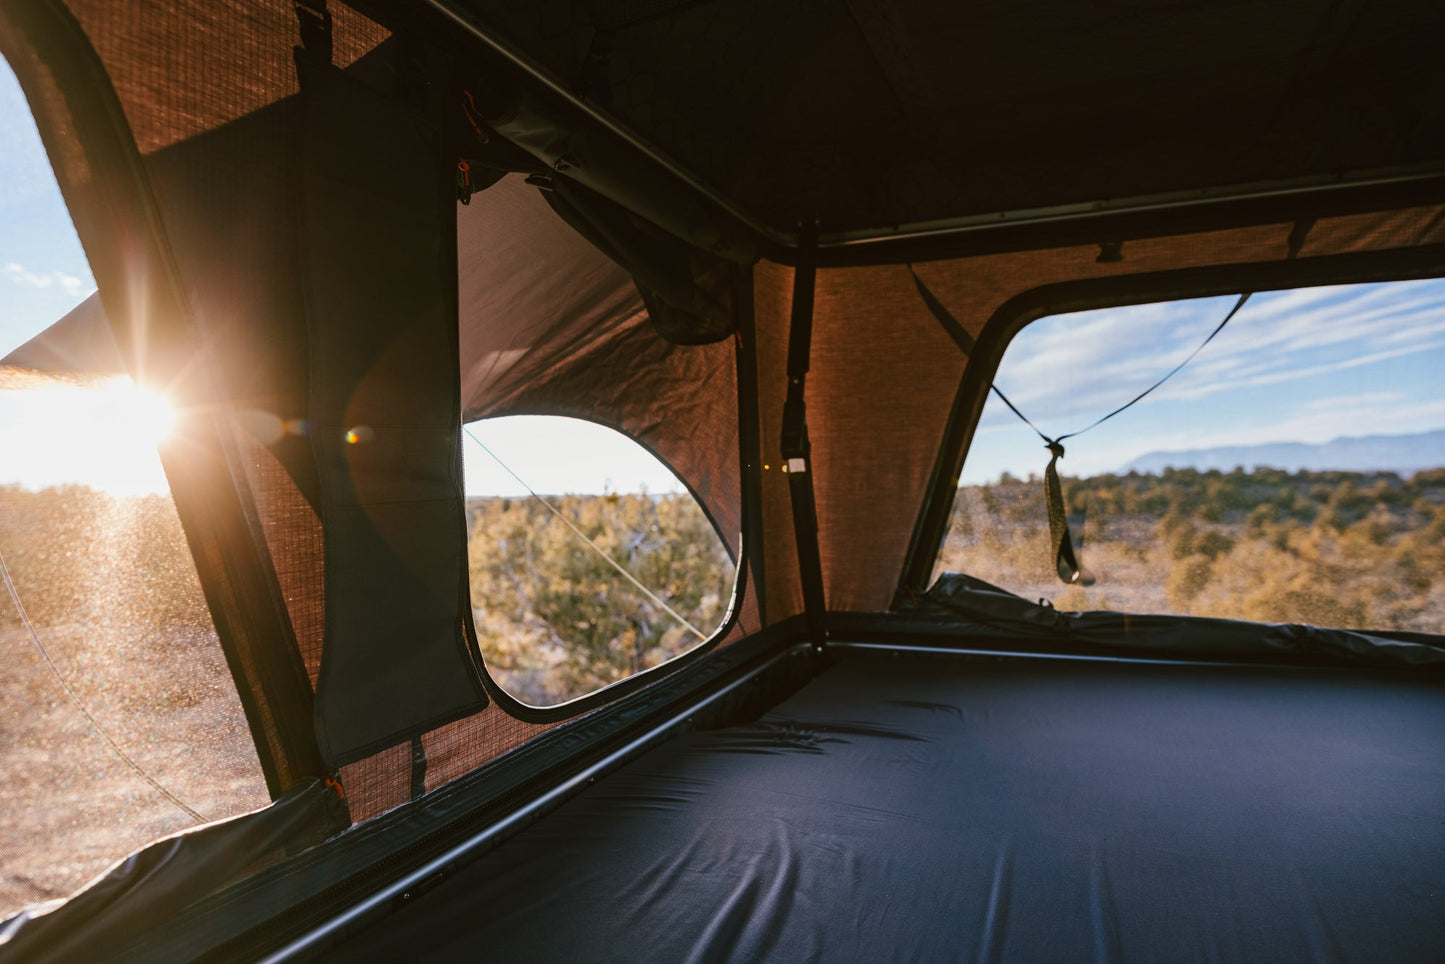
[{"x": 71, "y": 807}]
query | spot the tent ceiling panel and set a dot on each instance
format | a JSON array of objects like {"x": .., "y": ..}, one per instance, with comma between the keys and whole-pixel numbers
[
  {"x": 532, "y": 292},
  {"x": 868, "y": 115},
  {"x": 873, "y": 114}
]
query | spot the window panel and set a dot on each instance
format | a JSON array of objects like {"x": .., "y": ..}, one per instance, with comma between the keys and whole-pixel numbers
[
  {"x": 590, "y": 562},
  {"x": 1291, "y": 472}
]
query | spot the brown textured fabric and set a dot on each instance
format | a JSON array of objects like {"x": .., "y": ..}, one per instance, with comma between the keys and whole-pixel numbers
[
  {"x": 884, "y": 373},
  {"x": 383, "y": 780},
  {"x": 458, "y": 748},
  {"x": 378, "y": 783},
  {"x": 876, "y": 408},
  {"x": 184, "y": 67},
  {"x": 1376, "y": 231},
  {"x": 298, "y": 553}
]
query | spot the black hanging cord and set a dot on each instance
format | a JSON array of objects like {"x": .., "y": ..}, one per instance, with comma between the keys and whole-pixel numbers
[
  {"x": 1013, "y": 408},
  {"x": 1066, "y": 562},
  {"x": 1172, "y": 372}
]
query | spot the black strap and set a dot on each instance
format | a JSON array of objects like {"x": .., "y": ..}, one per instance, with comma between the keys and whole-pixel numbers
[
  {"x": 1061, "y": 540},
  {"x": 418, "y": 767},
  {"x": 950, "y": 324},
  {"x": 1172, "y": 372},
  {"x": 1297, "y": 237},
  {"x": 796, "y": 449}
]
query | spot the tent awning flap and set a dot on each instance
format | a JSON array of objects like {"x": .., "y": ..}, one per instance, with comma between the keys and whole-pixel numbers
[
  {"x": 79, "y": 345},
  {"x": 152, "y": 885},
  {"x": 1001, "y": 614}
]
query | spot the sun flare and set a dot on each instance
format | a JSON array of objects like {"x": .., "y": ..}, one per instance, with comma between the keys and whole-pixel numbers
[
  {"x": 101, "y": 435},
  {"x": 142, "y": 414}
]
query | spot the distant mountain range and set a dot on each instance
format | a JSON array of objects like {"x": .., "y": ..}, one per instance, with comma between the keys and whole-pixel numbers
[{"x": 1405, "y": 454}]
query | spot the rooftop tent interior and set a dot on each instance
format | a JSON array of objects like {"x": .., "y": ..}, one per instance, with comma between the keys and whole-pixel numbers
[{"x": 712, "y": 226}]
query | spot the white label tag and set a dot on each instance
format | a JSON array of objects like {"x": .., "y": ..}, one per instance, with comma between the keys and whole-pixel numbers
[{"x": 797, "y": 465}]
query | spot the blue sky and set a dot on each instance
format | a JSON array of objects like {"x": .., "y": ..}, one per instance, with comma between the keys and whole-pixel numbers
[
  {"x": 1307, "y": 365},
  {"x": 43, "y": 272}
]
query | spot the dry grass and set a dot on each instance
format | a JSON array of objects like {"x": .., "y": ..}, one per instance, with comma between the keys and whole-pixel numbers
[
  {"x": 72, "y": 807},
  {"x": 1351, "y": 552},
  {"x": 110, "y": 585}
]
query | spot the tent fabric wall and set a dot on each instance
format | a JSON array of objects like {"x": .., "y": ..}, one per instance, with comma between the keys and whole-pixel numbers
[
  {"x": 221, "y": 170},
  {"x": 224, "y": 194},
  {"x": 869, "y": 413},
  {"x": 183, "y": 69},
  {"x": 876, "y": 417}
]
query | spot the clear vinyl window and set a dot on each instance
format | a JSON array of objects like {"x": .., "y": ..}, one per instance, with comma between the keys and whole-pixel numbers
[
  {"x": 589, "y": 561},
  {"x": 119, "y": 721},
  {"x": 1291, "y": 472}
]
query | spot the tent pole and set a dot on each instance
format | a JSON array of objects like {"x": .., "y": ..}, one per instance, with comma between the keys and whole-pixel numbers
[{"x": 796, "y": 449}]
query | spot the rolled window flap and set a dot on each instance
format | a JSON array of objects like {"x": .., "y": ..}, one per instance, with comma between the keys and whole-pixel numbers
[
  {"x": 139, "y": 894},
  {"x": 377, "y": 207}
]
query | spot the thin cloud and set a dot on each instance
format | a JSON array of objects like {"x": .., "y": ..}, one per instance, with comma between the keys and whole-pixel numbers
[
  {"x": 1065, "y": 367},
  {"x": 1346, "y": 403},
  {"x": 1275, "y": 378},
  {"x": 1292, "y": 366},
  {"x": 55, "y": 279}
]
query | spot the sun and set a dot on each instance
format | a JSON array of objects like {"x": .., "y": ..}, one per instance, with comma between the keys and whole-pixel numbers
[
  {"x": 142, "y": 415},
  {"x": 102, "y": 435}
]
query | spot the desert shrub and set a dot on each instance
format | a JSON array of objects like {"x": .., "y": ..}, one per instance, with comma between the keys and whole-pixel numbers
[
  {"x": 1330, "y": 548},
  {"x": 556, "y": 621},
  {"x": 1187, "y": 580}
]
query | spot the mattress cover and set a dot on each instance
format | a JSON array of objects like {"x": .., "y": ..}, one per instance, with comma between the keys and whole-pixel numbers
[{"x": 934, "y": 808}]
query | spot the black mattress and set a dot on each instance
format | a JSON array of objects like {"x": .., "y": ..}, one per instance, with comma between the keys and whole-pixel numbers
[{"x": 902, "y": 808}]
